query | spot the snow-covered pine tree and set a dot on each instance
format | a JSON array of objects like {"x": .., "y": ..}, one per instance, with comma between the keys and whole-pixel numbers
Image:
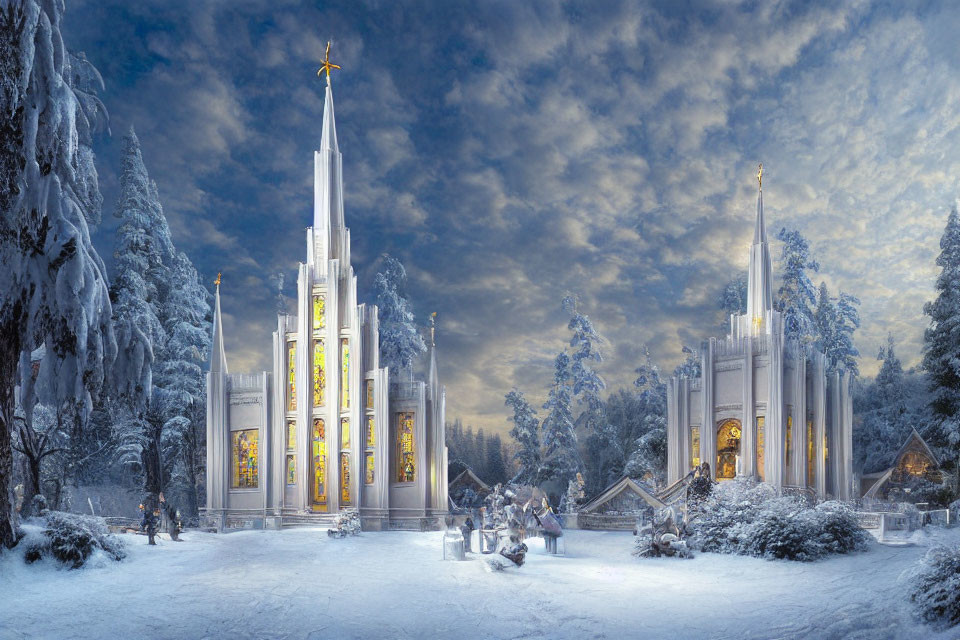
[
  {"x": 526, "y": 432},
  {"x": 848, "y": 321},
  {"x": 825, "y": 321},
  {"x": 941, "y": 349},
  {"x": 496, "y": 467},
  {"x": 648, "y": 454},
  {"x": 139, "y": 260},
  {"x": 186, "y": 317},
  {"x": 797, "y": 295},
  {"x": 732, "y": 300},
  {"x": 400, "y": 342},
  {"x": 561, "y": 458},
  {"x": 480, "y": 461},
  {"x": 54, "y": 287}
]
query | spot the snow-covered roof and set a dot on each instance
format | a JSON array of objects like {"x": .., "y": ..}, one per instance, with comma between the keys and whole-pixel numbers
[
  {"x": 623, "y": 484},
  {"x": 884, "y": 476},
  {"x": 468, "y": 476}
]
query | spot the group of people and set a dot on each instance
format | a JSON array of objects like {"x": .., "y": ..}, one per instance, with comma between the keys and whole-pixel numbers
[{"x": 163, "y": 515}]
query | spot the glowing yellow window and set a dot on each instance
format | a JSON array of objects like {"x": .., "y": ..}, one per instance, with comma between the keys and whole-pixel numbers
[
  {"x": 319, "y": 311},
  {"x": 371, "y": 434},
  {"x": 344, "y": 478},
  {"x": 291, "y": 434},
  {"x": 368, "y": 467},
  {"x": 291, "y": 470},
  {"x": 319, "y": 372},
  {"x": 319, "y": 451},
  {"x": 811, "y": 442},
  {"x": 694, "y": 447},
  {"x": 760, "y": 446},
  {"x": 291, "y": 376},
  {"x": 369, "y": 396},
  {"x": 344, "y": 433},
  {"x": 406, "y": 465},
  {"x": 789, "y": 447},
  {"x": 246, "y": 471}
]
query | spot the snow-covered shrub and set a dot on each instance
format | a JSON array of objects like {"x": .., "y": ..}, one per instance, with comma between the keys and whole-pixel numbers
[
  {"x": 935, "y": 587},
  {"x": 72, "y": 538},
  {"x": 748, "y": 518}
]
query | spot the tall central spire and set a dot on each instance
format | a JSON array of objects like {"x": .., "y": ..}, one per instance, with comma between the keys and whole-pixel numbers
[
  {"x": 759, "y": 281},
  {"x": 328, "y": 182},
  {"x": 218, "y": 356}
]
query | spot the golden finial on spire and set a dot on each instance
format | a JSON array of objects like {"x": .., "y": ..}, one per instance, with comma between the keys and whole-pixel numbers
[
  {"x": 217, "y": 281},
  {"x": 760, "y": 175},
  {"x": 433, "y": 326},
  {"x": 326, "y": 65}
]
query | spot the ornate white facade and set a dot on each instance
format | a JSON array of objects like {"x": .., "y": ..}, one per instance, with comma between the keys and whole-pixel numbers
[
  {"x": 763, "y": 406},
  {"x": 326, "y": 429}
]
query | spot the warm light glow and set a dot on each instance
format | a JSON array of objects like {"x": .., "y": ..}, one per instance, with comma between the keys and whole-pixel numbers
[
  {"x": 291, "y": 376},
  {"x": 319, "y": 373},
  {"x": 760, "y": 445},
  {"x": 694, "y": 447},
  {"x": 319, "y": 452},
  {"x": 344, "y": 374},
  {"x": 728, "y": 448},
  {"x": 406, "y": 465},
  {"x": 245, "y": 459}
]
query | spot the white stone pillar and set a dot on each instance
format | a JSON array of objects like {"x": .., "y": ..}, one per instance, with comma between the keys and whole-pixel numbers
[
  {"x": 773, "y": 422},
  {"x": 748, "y": 441},
  {"x": 708, "y": 427}
]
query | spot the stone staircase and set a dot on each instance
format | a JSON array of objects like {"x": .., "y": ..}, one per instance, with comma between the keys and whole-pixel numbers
[{"x": 290, "y": 520}]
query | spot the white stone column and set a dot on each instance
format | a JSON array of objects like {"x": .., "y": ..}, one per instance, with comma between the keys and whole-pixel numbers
[
  {"x": 748, "y": 442},
  {"x": 773, "y": 422},
  {"x": 708, "y": 427},
  {"x": 819, "y": 422},
  {"x": 673, "y": 431}
]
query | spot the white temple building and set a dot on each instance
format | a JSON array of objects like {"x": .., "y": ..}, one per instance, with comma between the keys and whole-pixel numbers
[
  {"x": 326, "y": 429},
  {"x": 763, "y": 406}
]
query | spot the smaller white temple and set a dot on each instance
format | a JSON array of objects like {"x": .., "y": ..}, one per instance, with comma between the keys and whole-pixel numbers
[
  {"x": 763, "y": 406},
  {"x": 326, "y": 429}
]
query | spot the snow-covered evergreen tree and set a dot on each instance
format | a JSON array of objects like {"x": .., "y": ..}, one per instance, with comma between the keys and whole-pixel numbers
[
  {"x": 797, "y": 295},
  {"x": 526, "y": 432},
  {"x": 732, "y": 300},
  {"x": 941, "y": 349},
  {"x": 400, "y": 342},
  {"x": 496, "y": 467},
  {"x": 845, "y": 354},
  {"x": 54, "y": 287},
  {"x": 561, "y": 459}
]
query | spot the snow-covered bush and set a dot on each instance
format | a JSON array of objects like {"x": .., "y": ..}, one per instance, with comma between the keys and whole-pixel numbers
[
  {"x": 72, "y": 538},
  {"x": 935, "y": 587},
  {"x": 748, "y": 518}
]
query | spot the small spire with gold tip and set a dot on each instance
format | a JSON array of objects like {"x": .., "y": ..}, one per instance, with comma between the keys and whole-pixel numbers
[
  {"x": 217, "y": 281},
  {"x": 433, "y": 326},
  {"x": 326, "y": 65},
  {"x": 760, "y": 176}
]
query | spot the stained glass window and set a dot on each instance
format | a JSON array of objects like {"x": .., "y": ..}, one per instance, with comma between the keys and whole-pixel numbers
[
  {"x": 810, "y": 453},
  {"x": 406, "y": 466},
  {"x": 344, "y": 433},
  {"x": 694, "y": 447},
  {"x": 344, "y": 478},
  {"x": 291, "y": 470},
  {"x": 369, "y": 395},
  {"x": 245, "y": 459},
  {"x": 760, "y": 445},
  {"x": 291, "y": 434},
  {"x": 789, "y": 448},
  {"x": 319, "y": 451},
  {"x": 319, "y": 372},
  {"x": 368, "y": 467},
  {"x": 371, "y": 435},
  {"x": 728, "y": 448},
  {"x": 344, "y": 374},
  {"x": 291, "y": 376},
  {"x": 319, "y": 311}
]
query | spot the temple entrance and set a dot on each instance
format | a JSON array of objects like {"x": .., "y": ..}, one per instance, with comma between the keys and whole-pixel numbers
[{"x": 728, "y": 448}]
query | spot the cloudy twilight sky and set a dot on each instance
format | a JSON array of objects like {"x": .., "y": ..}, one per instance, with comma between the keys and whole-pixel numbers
[{"x": 511, "y": 152}]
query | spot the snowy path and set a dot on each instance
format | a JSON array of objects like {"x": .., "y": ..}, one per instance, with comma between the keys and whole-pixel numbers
[{"x": 300, "y": 584}]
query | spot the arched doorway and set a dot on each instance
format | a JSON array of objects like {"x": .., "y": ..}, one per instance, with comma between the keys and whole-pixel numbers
[{"x": 728, "y": 448}]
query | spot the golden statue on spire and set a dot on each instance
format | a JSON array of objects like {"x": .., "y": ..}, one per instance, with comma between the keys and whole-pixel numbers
[
  {"x": 217, "y": 281},
  {"x": 326, "y": 65},
  {"x": 760, "y": 175}
]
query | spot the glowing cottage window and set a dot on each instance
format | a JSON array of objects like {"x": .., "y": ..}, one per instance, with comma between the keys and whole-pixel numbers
[
  {"x": 291, "y": 470},
  {"x": 319, "y": 372},
  {"x": 344, "y": 433},
  {"x": 291, "y": 376},
  {"x": 760, "y": 443},
  {"x": 368, "y": 468},
  {"x": 406, "y": 466},
  {"x": 371, "y": 434},
  {"x": 344, "y": 374},
  {"x": 694, "y": 447},
  {"x": 319, "y": 453},
  {"x": 344, "y": 479},
  {"x": 789, "y": 448},
  {"x": 319, "y": 312},
  {"x": 245, "y": 459},
  {"x": 291, "y": 434},
  {"x": 810, "y": 453}
]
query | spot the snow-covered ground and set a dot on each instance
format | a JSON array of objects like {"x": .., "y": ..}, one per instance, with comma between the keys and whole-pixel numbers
[{"x": 298, "y": 583}]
